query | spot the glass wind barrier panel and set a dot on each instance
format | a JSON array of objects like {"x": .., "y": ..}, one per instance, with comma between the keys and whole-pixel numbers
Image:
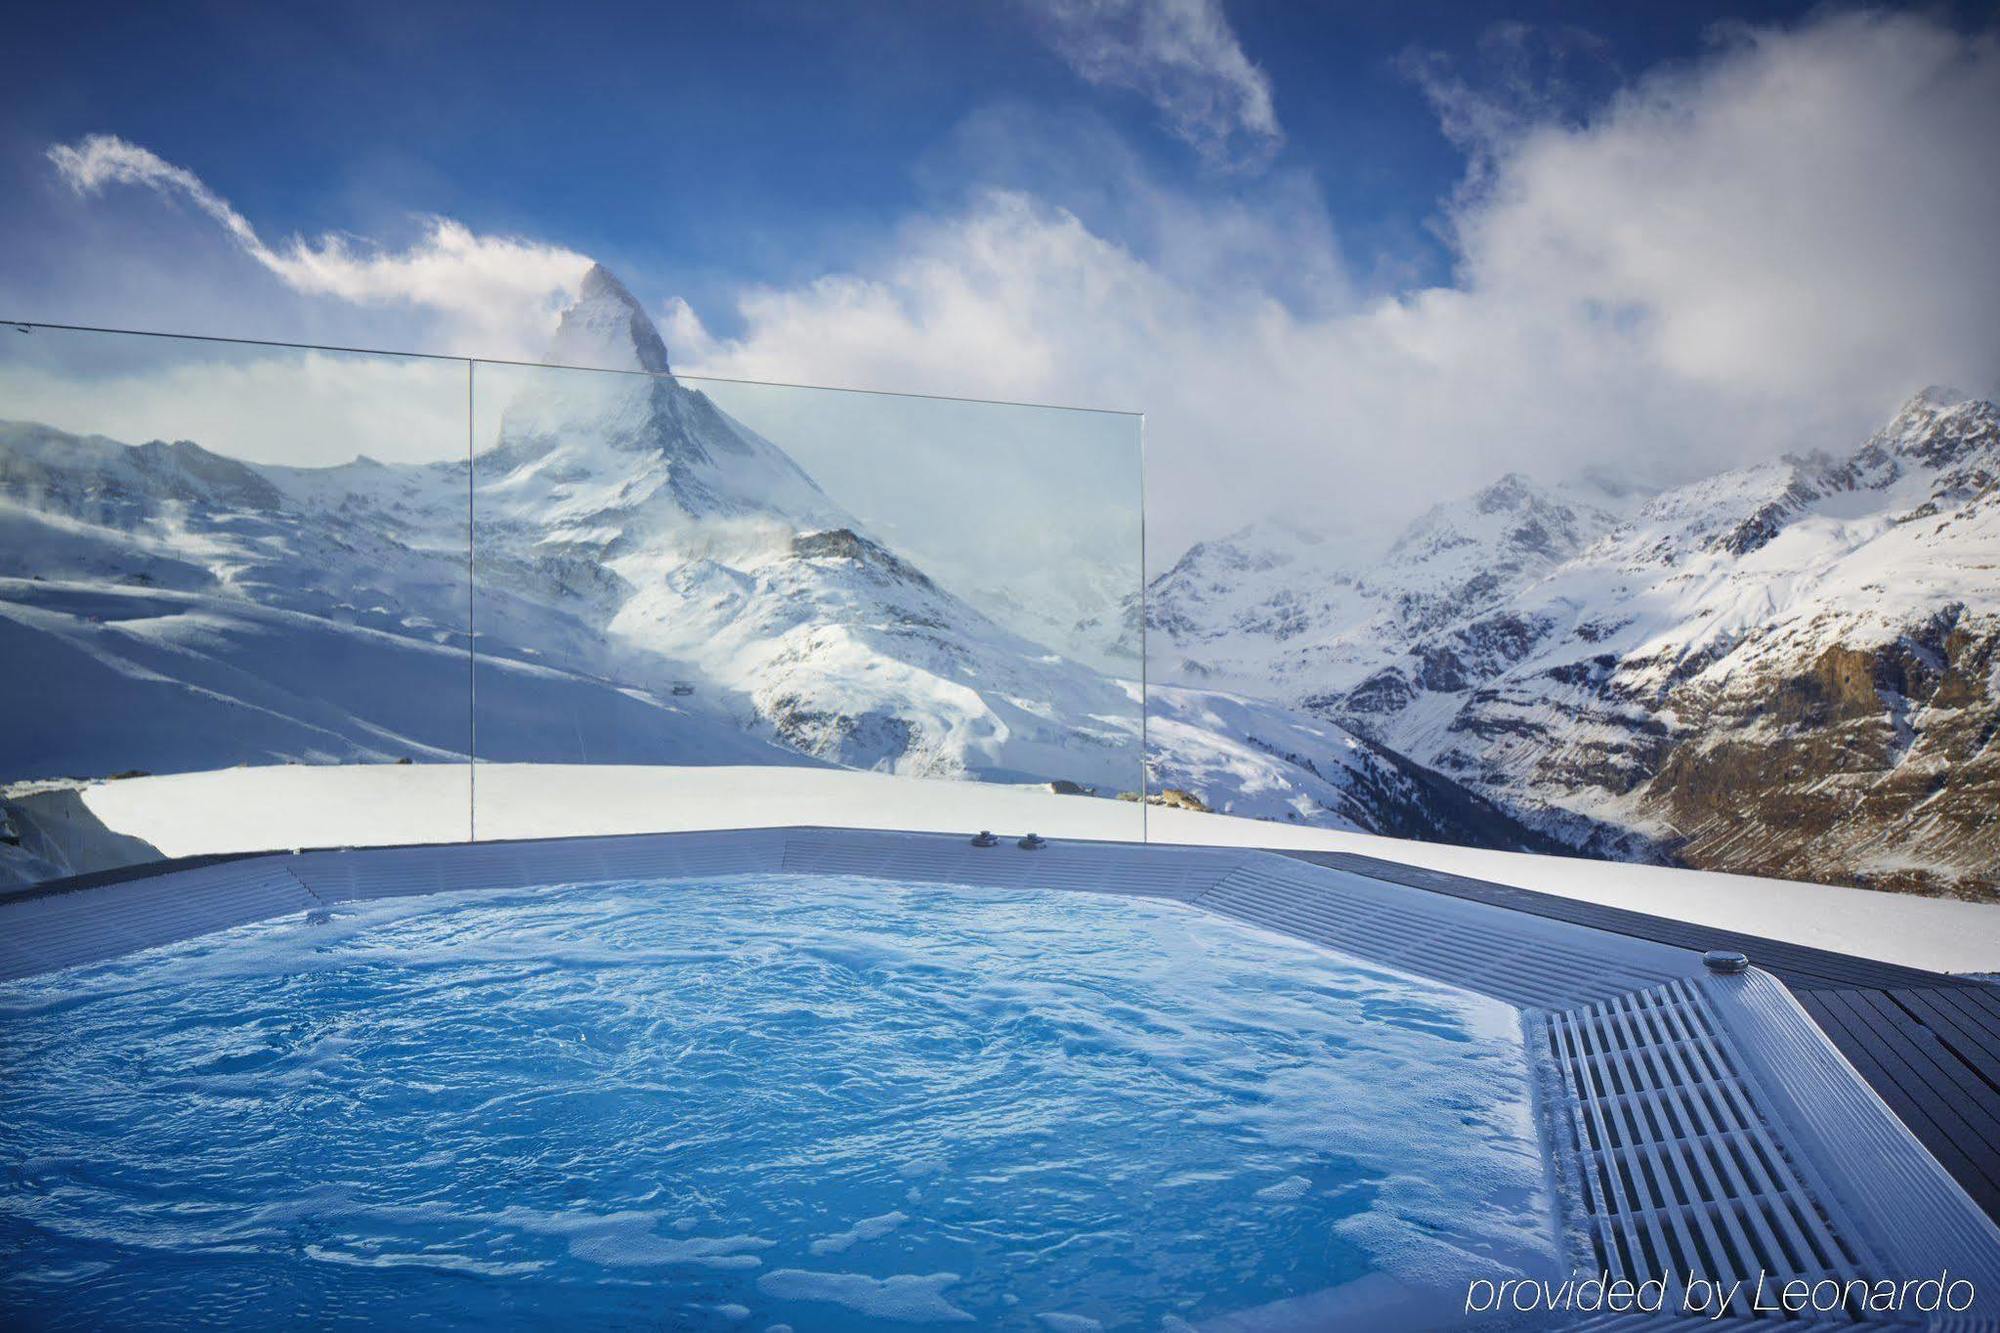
[
  {"x": 257, "y": 596},
  {"x": 233, "y": 599},
  {"x": 704, "y": 604}
]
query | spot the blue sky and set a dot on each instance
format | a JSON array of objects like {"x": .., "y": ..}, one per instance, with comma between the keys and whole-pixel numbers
[
  {"x": 707, "y": 145},
  {"x": 1288, "y": 232}
]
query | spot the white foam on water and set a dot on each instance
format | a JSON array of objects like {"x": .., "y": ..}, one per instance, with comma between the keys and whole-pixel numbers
[
  {"x": 907, "y": 1297},
  {"x": 868, "y": 1228},
  {"x": 1291, "y": 1187}
]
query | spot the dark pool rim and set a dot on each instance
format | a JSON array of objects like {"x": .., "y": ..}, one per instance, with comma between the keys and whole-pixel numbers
[{"x": 1705, "y": 1121}]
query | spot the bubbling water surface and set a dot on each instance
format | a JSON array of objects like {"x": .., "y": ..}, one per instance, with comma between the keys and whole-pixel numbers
[{"x": 752, "y": 1102}]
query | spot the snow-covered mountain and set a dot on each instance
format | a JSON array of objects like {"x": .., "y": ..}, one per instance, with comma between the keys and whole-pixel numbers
[
  {"x": 1273, "y": 606},
  {"x": 1787, "y": 669},
  {"x": 685, "y": 545},
  {"x": 653, "y": 582}
]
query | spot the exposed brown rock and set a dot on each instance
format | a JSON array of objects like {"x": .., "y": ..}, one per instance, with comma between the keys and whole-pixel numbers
[{"x": 1874, "y": 767}]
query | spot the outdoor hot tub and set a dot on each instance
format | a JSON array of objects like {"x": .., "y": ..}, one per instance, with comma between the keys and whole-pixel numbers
[{"x": 837, "y": 1079}]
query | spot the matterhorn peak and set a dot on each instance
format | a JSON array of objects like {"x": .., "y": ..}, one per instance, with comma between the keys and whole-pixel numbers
[{"x": 606, "y": 328}]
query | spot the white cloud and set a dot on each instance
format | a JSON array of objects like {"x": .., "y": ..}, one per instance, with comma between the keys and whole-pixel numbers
[
  {"x": 1764, "y": 250},
  {"x": 1183, "y": 57},
  {"x": 1808, "y": 209},
  {"x": 495, "y": 295}
]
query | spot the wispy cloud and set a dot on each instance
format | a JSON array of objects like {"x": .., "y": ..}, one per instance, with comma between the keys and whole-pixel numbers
[
  {"x": 493, "y": 291},
  {"x": 1183, "y": 57},
  {"x": 1520, "y": 76}
]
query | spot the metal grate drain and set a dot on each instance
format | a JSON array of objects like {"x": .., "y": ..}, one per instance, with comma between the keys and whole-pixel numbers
[{"x": 1678, "y": 1169}]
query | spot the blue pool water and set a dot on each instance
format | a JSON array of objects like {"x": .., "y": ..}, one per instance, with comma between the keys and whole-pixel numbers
[{"x": 751, "y": 1103}]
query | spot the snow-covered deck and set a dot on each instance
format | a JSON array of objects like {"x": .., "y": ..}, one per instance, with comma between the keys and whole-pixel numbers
[{"x": 248, "y": 809}]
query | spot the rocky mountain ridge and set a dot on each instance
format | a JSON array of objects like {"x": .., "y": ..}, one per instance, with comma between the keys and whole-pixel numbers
[{"x": 1788, "y": 669}]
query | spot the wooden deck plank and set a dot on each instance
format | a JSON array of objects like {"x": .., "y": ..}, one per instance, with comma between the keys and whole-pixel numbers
[
  {"x": 1941, "y": 1070},
  {"x": 1899, "y": 1057},
  {"x": 1977, "y": 1045},
  {"x": 1864, "y": 1053},
  {"x": 1980, "y": 1003}
]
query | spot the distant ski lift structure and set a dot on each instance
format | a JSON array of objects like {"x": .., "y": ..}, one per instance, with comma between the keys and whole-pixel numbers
[{"x": 682, "y": 689}]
